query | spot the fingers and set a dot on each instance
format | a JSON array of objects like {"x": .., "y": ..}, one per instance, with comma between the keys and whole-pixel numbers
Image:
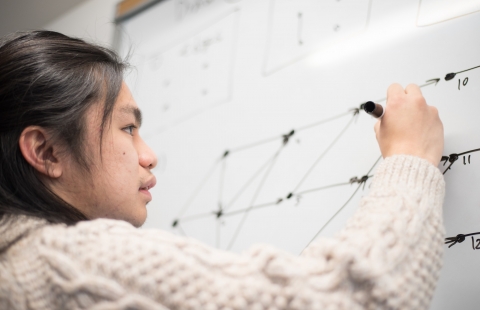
[
  {"x": 394, "y": 92},
  {"x": 413, "y": 89},
  {"x": 395, "y": 88},
  {"x": 376, "y": 128}
]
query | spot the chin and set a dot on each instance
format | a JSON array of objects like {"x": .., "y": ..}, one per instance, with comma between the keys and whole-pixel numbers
[{"x": 139, "y": 218}]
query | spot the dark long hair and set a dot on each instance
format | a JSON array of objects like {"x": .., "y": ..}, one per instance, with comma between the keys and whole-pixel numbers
[{"x": 50, "y": 80}]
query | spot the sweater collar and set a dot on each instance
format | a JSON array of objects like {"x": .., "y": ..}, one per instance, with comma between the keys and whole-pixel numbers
[{"x": 15, "y": 227}]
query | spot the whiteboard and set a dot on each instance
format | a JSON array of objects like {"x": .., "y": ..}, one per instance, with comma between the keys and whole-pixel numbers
[{"x": 252, "y": 108}]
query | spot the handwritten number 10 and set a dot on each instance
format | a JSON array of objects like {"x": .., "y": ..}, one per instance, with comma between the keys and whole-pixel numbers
[{"x": 465, "y": 82}]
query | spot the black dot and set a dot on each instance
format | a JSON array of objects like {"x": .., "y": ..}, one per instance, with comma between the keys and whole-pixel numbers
[{"x": 450, "y": 76}]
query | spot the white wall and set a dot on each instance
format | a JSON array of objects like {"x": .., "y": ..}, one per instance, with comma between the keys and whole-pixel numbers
[
  {"x": 92, "y": 20},
  {"x": 21, "y": 15}
]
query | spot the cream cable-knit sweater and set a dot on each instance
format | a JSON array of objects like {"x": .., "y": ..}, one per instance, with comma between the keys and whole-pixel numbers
[{"x": 388, "y": 257}]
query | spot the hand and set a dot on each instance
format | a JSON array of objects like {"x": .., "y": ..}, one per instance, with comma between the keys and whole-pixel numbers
[{"x": 410, "y": 126}]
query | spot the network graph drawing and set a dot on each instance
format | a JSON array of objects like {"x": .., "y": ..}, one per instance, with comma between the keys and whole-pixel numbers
[{"x": 224, "y": 210}]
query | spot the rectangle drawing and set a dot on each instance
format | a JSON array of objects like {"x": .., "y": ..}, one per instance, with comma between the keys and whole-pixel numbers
[
  {"x": 299, "y": 27},
  {"x": 188, "y": 78}
]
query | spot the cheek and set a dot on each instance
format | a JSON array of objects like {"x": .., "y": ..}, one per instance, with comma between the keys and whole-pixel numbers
[
  {"x": 123, "y": 165},
  {"x": 119, "y": 180},
  {"x": 129, "y": 158},
  {"x": 122, "y": 160}
]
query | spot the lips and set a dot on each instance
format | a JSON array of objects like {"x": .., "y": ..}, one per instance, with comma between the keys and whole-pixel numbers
[
  {"x": 149, "y": 184},
  {"x": 146, "y": 186}
]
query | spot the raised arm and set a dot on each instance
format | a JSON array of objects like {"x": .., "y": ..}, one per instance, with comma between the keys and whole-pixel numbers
[{"x": 387, "y": 257}]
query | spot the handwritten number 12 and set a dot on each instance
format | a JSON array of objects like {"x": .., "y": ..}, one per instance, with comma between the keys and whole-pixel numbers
[{"x": 473, "y": 244}]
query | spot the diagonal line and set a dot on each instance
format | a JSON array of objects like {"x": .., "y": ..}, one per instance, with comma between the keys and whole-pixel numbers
[
  {"x": 322, "y": 121},
  {"x": 448, "y": 168},
  {"x": 338, "y": 184},
  {"x": 276, "y": 138},
  {"x": 196, "y": 216},
  {"x": 255, "y": 175},
  {"x": 467, "y": 70},
  {"x": 323, "y": 154},
  {"x": 454, "y": 242},
  {"x": 346, "y": 203},
  {"x": 322, "y": 188},
  {"x": 197, "y": 190},
  {"x": 460, "y": 154},
  {"x": 475, "y": 150},
  {"x": 252, "y": 145},
  {"x": 251, "y": 208},
  {"x": 468, "y": 235},
  {"x": 267, "y": 173},
  {"x": 181, "y": 230},
  {"x": 333, "y": 216},
  {"x": 376, "y": 162},
  {"x": 222, "y": 183}
]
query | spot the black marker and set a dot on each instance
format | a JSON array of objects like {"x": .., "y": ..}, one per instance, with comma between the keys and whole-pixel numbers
[{"x": 374, "y": 109}]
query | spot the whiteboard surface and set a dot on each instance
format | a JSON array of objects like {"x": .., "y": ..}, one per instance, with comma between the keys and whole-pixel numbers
[{"x": 250, "y": 102}]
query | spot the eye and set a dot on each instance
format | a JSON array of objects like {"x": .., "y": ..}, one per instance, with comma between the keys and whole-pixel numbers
[{"x": 129, "y": 129}]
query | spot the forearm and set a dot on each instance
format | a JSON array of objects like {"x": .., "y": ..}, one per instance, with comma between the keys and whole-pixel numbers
[
  {"x": 394, "y": 242},
  {"x": 388, "y": 256}
]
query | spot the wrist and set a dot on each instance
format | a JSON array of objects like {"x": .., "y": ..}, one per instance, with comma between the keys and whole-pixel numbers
[{"x": 434, "y": 160}]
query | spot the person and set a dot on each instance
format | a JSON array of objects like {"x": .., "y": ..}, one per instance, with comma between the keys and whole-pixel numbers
[{"x": 74, "y": 181}]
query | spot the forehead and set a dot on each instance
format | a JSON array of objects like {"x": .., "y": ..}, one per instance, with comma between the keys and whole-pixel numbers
[
  {"x": 126, "y": 105},
  {"x": 125, "y": 98}
]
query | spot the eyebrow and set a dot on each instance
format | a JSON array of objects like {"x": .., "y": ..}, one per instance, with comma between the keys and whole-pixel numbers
[{"x": 135, "y": 111}]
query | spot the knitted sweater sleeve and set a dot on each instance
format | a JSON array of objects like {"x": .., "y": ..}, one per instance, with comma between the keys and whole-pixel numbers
[{"x": 387, "y": 257}]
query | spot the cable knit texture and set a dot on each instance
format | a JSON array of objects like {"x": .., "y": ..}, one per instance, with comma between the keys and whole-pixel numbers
[{"x": 387, "y": 257}]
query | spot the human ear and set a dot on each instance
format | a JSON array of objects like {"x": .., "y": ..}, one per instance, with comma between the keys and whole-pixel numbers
[{"x": 39, "y": 151}]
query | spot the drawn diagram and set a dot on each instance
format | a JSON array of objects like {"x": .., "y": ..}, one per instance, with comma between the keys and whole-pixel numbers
[
  {"x": 460, "y": 238},
  {"x": 253, "y": 194},
  {"x": 452, "y": 158},
  {"x": 299, "y": 27},
  {"x": 451, "y": 76},
  {"x": 191, "y": 77},
  {"x": 432, "y": 12},
  {"x": 187, "y": 7}
]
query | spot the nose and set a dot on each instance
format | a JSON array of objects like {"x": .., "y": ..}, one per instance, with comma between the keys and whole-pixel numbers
[{"x": 146, "y": 156}]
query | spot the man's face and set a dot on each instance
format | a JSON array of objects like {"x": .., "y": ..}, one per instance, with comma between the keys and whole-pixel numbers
[{"x": 120, "y": 176}]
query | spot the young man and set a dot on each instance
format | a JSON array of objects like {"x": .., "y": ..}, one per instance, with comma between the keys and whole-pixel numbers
[{"x": 74, "y": 181}]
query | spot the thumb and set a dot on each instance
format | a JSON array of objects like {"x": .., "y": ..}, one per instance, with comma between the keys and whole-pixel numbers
[{"x": 377, "y": 128}]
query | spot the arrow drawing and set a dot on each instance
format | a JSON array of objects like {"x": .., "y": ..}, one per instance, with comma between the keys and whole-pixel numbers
[
  {"x": 458, "y": 239},
  {"x": 452, "y": 158}
]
